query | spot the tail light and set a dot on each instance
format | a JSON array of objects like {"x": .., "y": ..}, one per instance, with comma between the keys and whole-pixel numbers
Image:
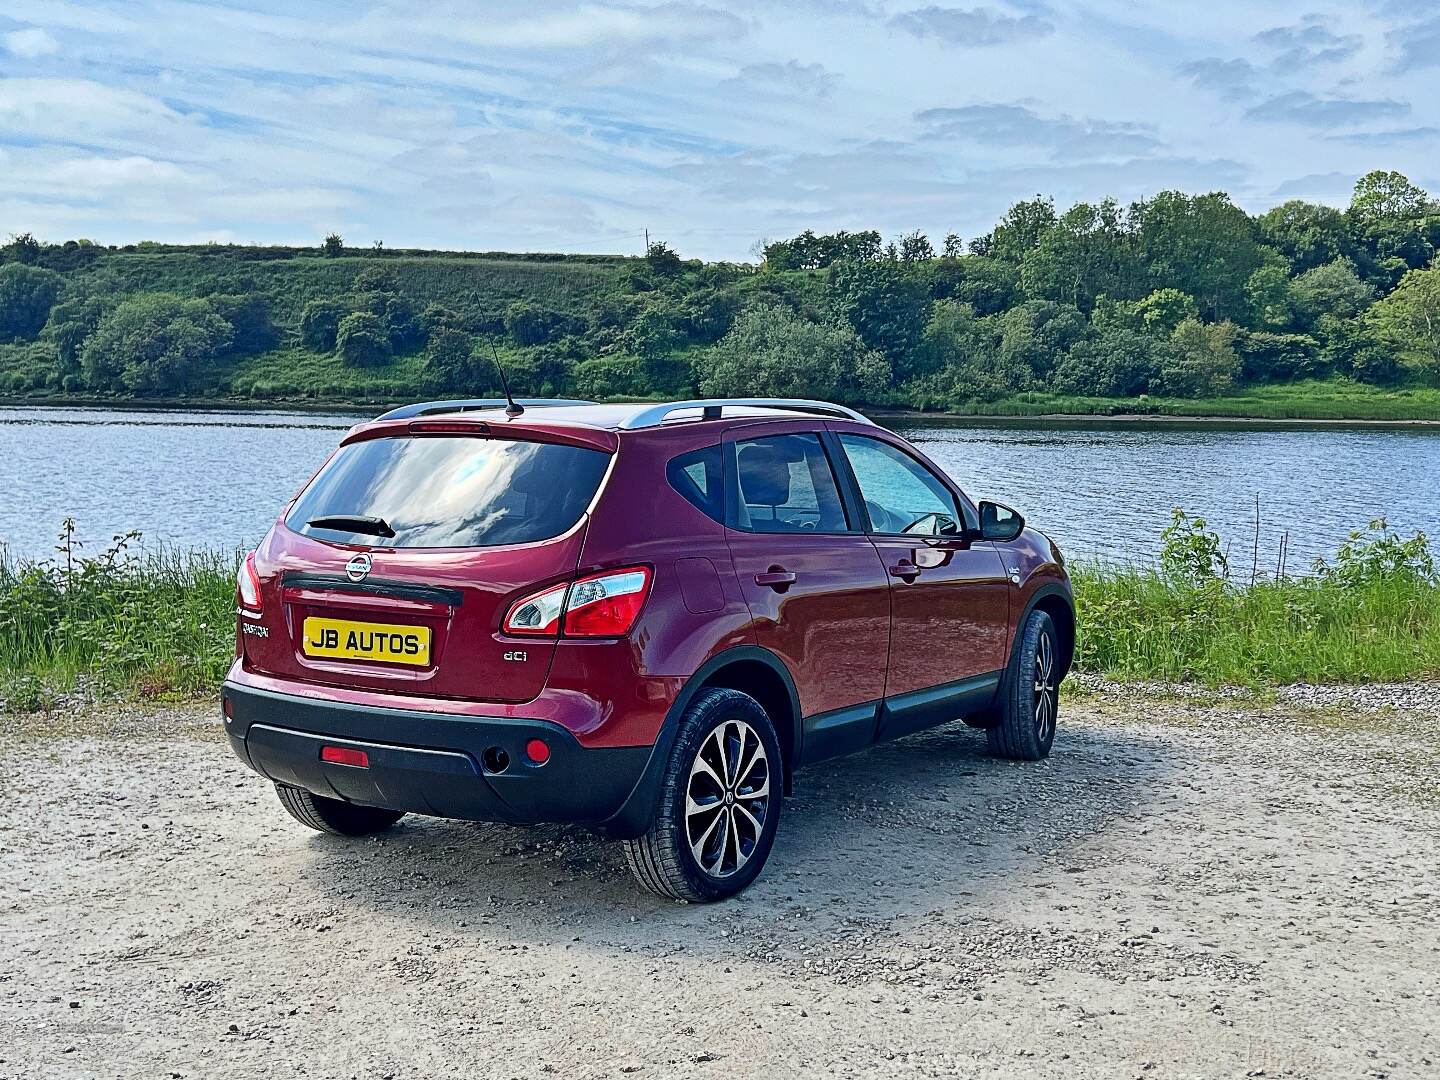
[
  {"x": 247, "y": 585},
  {"x": 603, "y": 605}
]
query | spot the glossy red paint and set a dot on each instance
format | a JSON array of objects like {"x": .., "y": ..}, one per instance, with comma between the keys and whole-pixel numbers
[{"x": 844, "y": 630}]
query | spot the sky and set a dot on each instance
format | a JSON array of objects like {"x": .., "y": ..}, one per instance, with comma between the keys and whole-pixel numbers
[{"x": 558, "y": 126}]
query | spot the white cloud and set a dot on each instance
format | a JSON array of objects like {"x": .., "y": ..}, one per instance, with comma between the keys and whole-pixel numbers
[
  {"x": 581, "y": 122},
  {"x": 30, "y": 43}
]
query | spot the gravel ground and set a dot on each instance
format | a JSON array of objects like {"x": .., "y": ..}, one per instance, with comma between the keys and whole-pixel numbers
[{"x": 1191, "y": 886}]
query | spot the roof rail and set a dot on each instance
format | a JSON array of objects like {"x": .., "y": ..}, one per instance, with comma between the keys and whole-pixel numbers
[
  {"x": 433, "y": 408},
  {"x": 655, "y": 415}
]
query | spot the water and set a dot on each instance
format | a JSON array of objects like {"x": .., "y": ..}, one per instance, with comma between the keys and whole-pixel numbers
[{"x": 217, "y": 479}]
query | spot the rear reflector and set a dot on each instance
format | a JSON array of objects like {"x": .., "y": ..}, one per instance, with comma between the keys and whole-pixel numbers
[
  {"x": 537, "y": 751},
  {"x": 343, "y": 755}
]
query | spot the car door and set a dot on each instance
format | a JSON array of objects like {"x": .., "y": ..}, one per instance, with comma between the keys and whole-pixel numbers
[
  {"x": 817, "y": 591},
  {"x": 949, "y": 591}
]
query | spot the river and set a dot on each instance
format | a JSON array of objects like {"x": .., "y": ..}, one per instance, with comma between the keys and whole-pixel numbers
[{"x": 1102, "y": 489}]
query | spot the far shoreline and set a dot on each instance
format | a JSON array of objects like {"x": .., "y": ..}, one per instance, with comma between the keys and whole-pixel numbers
[{"x": 882, "y": 413}]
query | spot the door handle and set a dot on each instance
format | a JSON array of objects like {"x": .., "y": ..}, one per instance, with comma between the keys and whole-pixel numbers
[
  {"x": 777, "y": 578},
  {"x": 905, "y": 569}
]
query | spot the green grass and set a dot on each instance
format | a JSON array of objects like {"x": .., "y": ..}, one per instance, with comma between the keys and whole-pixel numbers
[
  {"x": 1137, "y": 624},
  {"x": 160, "y": 623},
  {"x": 163, "y": 624},
  {"x": 1313, "y": 399}
]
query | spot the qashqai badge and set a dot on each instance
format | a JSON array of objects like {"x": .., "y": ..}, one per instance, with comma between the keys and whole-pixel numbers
[{"x": 358, "y": 567}]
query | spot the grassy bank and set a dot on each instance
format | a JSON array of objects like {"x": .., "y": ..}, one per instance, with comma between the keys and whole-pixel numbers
[
  {"x": 1313, "y": 399},
  {"x": 163, "y": 624}
]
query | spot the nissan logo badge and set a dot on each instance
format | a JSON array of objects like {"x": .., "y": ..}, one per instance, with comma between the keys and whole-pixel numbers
[{"x": 358, "y": 567}]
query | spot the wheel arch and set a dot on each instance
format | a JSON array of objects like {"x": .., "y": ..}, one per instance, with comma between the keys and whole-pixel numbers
[
  {"x": 1057, "y": 602},
  {"x": 750, "y": 670}
]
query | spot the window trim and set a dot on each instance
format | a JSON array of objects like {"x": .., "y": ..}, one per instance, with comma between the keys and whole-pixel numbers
[
  {"x": 969, "y": 519},
  {"x": 729, "y": 447}
]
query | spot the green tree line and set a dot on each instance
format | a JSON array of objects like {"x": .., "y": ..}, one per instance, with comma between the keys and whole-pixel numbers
[{"x": 1179, "y": 295}]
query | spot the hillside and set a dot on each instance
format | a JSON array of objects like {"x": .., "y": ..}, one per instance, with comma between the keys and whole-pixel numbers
[{"x": 1178, "y": 303}]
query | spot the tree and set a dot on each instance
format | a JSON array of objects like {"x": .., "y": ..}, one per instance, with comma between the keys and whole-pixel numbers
[
  {"x": 249, "y": 317},
  {"x": 1397, "y": 224},
  {"x": 1387, "y": 196},
  {"x": 885, "y": 304},
  {"x": 1163, "y": 310},
  {"x": 362, "y": 341},
  {"x": 27, "y": 293},
  {"x": 1200, "y": 360},
  {"x": 449, "y": 360},
  {"x": 1114, "y": 362},
  {"x": 1019, "y": 231},
  {"x": 154, "y": 343},
  {"x": 319, "y": 323},
  {"x": 71, "y": 322},
  {"x": 1409, "y": 318},
  {"x": 528, "y": 323},
  {"x": 810, "y": 252},
  {"x": 660, "y": 257},
  {"x": 22, "y": 248},
  {"x": 772, "y": 351},
  {"x": 1332, "y": 289},
  {"x": 1271, "y": 357},
  {"x": 1270, "y": 297},
  {"x": 915, "y": 247},
  {"x": 1306, "y": 234},
  {"x": 1085, "y": 254},
  {"x": 959, "y": 358},
  {"x": 1035, "y": 334},
  {"x": 954, "y": 247},
  {"x": 334, "y": 246},
  {"x": 1204, "y": 245},
  {"x": 988, "y": 285}
]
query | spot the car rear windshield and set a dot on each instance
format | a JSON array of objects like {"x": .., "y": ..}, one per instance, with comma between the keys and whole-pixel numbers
[{"x": 442, "y": 491}]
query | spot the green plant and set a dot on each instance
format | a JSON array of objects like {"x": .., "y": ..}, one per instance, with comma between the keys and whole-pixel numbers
[
  {"x": 1378, "y": 554},
  {"x": 1190, "y": 552}
]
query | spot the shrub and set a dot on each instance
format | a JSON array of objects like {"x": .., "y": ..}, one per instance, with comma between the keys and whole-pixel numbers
[
  {"x": 362, "y": 342},
  {"x": 1200, "y": 359},
  {"x": 319, "y": 324},
  {"x": 772, "y": 351},
  {"x": 154, "y": 343},
  {"x": 249, "y": 317},
  {"x": 27, "y": 294}
]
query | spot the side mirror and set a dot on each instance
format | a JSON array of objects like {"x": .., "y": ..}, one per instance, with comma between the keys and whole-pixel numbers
[{"x": 1000, "y": 522}]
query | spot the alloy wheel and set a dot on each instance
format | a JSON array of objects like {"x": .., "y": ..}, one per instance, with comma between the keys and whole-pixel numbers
[
  {"x": 727, "y": 798},
  {"x": 1045, "y": 690}
]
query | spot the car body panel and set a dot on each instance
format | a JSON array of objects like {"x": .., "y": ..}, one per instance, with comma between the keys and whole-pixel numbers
[{"x": 859, "y": 655}]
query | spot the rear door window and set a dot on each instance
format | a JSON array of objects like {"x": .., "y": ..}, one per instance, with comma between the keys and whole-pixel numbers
[
  {"x": 444, "y": 491},
  {"x": 784, "y": 484}
]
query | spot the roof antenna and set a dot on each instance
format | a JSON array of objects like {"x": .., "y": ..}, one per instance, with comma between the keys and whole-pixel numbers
[{"x": 512, "y": 410}]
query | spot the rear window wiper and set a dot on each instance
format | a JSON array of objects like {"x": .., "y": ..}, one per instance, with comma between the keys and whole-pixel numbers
[{"x": 356, "y": 523}]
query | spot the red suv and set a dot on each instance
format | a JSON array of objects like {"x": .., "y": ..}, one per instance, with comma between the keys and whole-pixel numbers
[{"x": 643, "y": 618}]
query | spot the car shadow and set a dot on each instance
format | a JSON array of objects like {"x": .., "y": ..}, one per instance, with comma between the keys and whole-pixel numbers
[{"x": 926, "y": 825}]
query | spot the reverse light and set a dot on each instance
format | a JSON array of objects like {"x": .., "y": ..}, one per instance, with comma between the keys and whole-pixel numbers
[
  {"x": 247, "y": 585},
  {"x": 538, "y": 613},
  {"x": 603, "y": 605}
]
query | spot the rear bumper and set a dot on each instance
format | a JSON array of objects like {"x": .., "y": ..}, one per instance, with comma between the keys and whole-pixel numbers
[{"x": 436, "y": 763}]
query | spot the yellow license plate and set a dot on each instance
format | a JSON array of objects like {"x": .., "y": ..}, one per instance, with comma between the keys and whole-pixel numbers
[{"x": 384, "y": 643}]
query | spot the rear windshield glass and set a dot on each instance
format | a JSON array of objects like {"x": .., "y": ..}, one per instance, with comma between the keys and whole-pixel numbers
[{"x": 448, "y": 492}]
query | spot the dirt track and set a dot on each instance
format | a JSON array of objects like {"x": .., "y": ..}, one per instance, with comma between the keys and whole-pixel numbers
[{"x": 1182, "y": 890}]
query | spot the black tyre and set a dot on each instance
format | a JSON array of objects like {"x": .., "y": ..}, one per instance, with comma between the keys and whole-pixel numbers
[
  {"x": 719, "y": 802},
  {"x": 1025, "y": 725},
  {"x": 333, "y": 816}
]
